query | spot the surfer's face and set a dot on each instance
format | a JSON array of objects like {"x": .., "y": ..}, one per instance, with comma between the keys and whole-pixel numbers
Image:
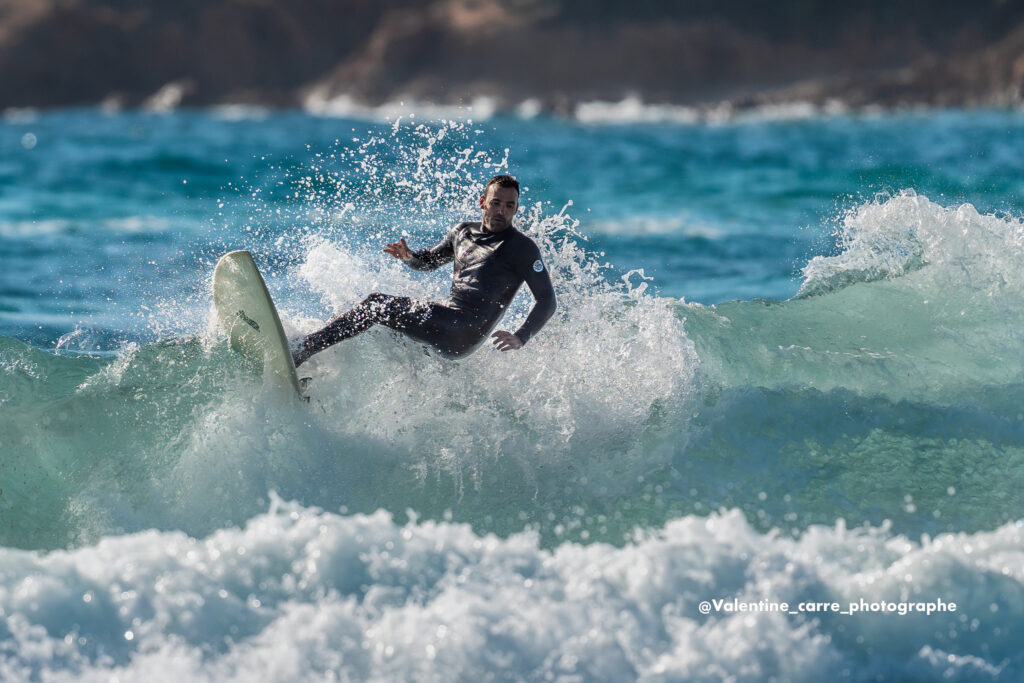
[{"x": 499, "y": 205}]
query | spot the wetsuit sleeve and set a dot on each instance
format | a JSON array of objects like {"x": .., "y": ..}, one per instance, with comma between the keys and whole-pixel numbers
[
  {"x": 429, "y": 259},
  {"x": 534, "y": 272}
]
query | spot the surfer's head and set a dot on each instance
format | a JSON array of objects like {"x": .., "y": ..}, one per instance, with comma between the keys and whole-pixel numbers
[{"x": 499, "y": 202}]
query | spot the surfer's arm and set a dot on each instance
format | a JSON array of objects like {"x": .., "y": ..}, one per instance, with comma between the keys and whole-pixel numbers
[
  {"x": 429, "y": 259},
  {"x": 545, "y": 304}
]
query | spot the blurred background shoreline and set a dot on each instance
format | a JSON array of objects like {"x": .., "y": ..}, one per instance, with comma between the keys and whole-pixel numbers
[{"x": 587, "y": 60}]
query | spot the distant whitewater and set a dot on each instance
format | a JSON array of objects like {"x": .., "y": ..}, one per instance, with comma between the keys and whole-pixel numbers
[
  {"x": 728, "y": 406},
  {"x": 629, "y": 110}
]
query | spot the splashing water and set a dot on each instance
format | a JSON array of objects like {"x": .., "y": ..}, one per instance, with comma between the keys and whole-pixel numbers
[{"x": 558, "y": 511}]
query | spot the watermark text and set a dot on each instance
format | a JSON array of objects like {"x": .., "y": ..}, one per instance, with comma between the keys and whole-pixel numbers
[{"x": 862, "y": 606}]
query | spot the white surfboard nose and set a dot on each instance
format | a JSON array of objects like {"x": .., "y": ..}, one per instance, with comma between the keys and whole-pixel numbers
[{"x": 246, "y": 311}]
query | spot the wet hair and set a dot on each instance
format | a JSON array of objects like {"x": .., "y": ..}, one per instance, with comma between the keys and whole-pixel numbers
[{"x": 503, "y": 181}]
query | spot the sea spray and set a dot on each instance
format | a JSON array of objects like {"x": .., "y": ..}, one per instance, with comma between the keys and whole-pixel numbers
[{"x": 176, "y": 434}]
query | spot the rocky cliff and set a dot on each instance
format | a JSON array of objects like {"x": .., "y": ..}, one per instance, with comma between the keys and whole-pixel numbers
[{"x": 555, "y": 53}]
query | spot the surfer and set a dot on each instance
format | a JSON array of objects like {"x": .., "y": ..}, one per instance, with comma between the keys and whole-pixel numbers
[{"x": 492, "y": 259}]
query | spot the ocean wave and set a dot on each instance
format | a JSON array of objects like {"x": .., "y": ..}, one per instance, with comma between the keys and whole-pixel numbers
[
  {"x": 132, "y": 436},
  {"x": 633, "y": 110},
  {"x": 583, "y": 443},
  {"x": 918, "y": 304},
  {"x": 488, "y": 432},
  {"x": 629, "y": 110},
  {"x": 894, "y": 235},
  {"x": 629, "y": 409},
  {"x": 345, "y": 106},
  {"x": 303, "y": 594}
]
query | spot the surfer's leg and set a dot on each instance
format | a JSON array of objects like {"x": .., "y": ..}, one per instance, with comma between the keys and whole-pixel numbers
[
  {"x": 376, "y": 308},
  {"x": 452, "y": 333}
]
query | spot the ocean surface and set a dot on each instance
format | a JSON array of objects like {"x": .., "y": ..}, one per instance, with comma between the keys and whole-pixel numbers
[{"x": 787, "y": 366}]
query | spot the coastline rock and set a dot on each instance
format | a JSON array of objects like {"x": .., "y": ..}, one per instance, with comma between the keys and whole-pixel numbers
[{"x": 551, "y": 54}]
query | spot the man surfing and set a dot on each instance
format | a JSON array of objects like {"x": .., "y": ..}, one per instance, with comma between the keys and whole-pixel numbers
[{"x": 492, "y": 259}]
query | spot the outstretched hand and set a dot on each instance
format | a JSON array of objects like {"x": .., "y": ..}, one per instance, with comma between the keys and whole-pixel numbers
[
  {"x": 399, "y": 250},
  {"x": 506, "y": 341}
]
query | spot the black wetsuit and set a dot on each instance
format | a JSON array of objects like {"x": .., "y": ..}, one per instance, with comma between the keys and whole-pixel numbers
[{"x": 489, "y": 268}]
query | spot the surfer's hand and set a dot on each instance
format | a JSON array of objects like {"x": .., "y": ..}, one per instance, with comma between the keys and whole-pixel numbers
[
  {"x": 399, "y": 249},
  {"x": 506, "y": 341}
]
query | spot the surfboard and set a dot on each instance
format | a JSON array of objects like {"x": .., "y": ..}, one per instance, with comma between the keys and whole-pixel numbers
[{"x": 247, "y": 312}]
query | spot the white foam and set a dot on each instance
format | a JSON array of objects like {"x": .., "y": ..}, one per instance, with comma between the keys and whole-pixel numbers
[
  {"x": 891, "y": 236},
  {"x": 320, "y": 103},
  {"x": 591, "y": 376},
  {"x": 632, "y": 109},
  {"x": 241, "y": 112},
  {"x": 568, "y": 409},
  {"x": 300, "y": 594},
  {"x": 529, "y": 108},
  {"x": 20, "y": 115},
  {"x": 169, "y": 97}
]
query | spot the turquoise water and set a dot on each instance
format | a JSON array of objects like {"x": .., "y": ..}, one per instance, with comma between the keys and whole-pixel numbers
[{"x": 786, "y": 366}]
